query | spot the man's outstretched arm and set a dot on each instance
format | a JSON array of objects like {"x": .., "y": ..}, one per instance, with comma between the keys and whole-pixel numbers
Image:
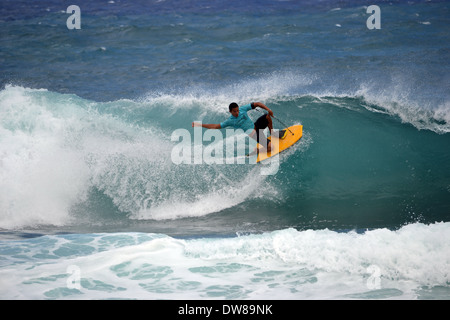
[{"x": 207, "y": 126}]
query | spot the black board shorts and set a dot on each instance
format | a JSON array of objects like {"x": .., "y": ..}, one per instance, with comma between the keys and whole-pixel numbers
[{"x": 260, "y": 124}]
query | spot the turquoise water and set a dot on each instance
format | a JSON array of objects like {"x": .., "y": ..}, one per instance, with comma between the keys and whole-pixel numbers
[{"x": 358, "y": 209}]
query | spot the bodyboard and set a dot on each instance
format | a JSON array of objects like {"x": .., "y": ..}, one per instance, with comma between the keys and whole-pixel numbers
[{"x": 294, "y": 133}]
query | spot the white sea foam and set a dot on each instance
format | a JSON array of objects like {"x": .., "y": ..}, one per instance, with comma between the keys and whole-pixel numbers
[
  {"x": 398, "y": 101},
  {"x": 40, "y": 177},
  {"x": 408, "y": 263}
]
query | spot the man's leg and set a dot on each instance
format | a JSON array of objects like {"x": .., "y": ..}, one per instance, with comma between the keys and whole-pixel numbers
[
  {"x": 260, "y": 124},
  {"x": 269, "y": 124}
]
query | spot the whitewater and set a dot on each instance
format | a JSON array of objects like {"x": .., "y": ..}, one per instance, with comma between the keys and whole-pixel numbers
[
  {"x": 92, "y": 205},
  {"x": 409, "y": 263}
]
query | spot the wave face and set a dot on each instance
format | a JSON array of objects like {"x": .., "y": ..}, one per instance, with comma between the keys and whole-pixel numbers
[{"x": 362, "y": 162}]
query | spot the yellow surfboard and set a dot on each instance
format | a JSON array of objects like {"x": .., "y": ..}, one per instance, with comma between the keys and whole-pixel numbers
[{"x": 292, "y": 136}]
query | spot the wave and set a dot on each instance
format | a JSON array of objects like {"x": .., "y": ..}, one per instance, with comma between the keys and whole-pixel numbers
[
  {"x": 65, "y": 159},
  {"x": 409, "y": 263}
]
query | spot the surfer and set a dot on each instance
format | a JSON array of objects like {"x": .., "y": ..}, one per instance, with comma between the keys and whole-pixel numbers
[{"x": 240, "y": 120}]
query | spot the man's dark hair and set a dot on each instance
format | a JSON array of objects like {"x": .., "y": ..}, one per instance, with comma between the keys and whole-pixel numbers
[{"x": 232, "y": 106}]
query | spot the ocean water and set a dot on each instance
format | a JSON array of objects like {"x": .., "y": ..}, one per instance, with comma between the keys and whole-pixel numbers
[{"x": 92, "y": 205}]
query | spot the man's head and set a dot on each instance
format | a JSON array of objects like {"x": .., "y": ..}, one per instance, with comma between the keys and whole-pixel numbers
[{"x": 234, "y": 109}]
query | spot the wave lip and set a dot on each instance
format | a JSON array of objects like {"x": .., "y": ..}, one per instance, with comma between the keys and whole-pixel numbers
[{"x": 399, "y": 102}]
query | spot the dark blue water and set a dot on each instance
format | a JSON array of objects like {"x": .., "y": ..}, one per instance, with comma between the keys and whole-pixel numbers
[{"x": 125, "y": 50}]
